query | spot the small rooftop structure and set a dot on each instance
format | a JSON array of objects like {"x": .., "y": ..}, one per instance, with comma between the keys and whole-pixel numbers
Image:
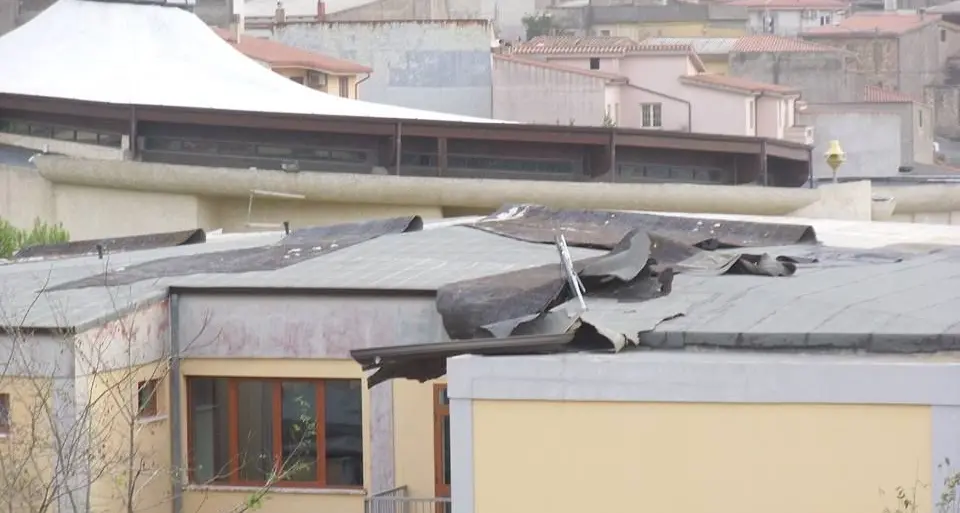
[
  {"x": 279, "y": 55},
  {"x": 875, "y": 24},
  {"x": 152, "y": 54}
]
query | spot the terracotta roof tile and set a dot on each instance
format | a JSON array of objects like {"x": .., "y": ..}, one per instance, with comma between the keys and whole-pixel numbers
[
  {"x": 777, "y": 44},
  {"x": 593, "y": 45},
  {"x": 280, "y": 55},
  {"x": 875, "y": 94},
  {"x": 885, "y": 23},
  {"x": 559, "y": 67},
  {"x": 737, "y": 83},
  {"x": 791, "y": 4}
]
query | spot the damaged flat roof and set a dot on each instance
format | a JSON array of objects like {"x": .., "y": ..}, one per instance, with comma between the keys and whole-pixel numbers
[{"x": 731, "y": 283}]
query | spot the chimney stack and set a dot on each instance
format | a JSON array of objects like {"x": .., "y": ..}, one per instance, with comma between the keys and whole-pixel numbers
[
  {"x": 280, "y": 15},
  {"x": 321, "y": 10}
]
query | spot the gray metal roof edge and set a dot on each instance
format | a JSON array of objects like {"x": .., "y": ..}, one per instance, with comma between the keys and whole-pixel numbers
[
  {"x": 307, "y": 291},
  {"x": 120, "y": 311},
  {"x": 664, "y": 337}
]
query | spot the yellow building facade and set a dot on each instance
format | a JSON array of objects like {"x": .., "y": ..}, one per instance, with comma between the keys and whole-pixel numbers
[
  {"x": 641, "y": 31},
  {"x": 692, "y": 433}
]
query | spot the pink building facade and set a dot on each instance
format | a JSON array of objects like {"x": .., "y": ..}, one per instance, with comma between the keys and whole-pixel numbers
[{"x": 615, "y": 81}]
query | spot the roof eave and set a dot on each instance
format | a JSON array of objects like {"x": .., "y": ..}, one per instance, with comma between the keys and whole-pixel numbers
[{"x": 329, "y": 71}]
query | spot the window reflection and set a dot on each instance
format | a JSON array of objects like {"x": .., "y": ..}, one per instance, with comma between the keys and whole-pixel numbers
[
  {"x": 344, "y": 432},
  {"x": 299, "y": 436},
  {"x": 255, "y": 431}
]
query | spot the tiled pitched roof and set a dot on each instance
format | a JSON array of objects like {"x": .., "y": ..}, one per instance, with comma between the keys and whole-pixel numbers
[
  {"x": 592, "y": 45},
  {"x": 559, "y": 67},
  {"x": 701, "y": 45},
  {"x": 776, "y": 44},
  {"x": 280, "y": 55},
  {"x": 881, "y": 23},
  {"x": 875, "y": 94},
  {"x": 737, "y": 83},
  {"x": 575, "y": 45},
  {"x": 791, "y": 4}
]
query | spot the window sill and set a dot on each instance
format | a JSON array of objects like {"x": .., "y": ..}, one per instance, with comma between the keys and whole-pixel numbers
[
  {"x": 141, "y": 421},
  {"x": 278, "y": 489}
]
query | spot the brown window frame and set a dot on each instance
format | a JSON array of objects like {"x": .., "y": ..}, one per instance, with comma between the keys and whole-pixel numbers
[
  {"x": 344, "y": 87},
  {"x": 233, "y": 458},
  {"x": 149, "y": 407},
  {"x": 441, "y": 411},
  {"x": 5, "y": 420}
]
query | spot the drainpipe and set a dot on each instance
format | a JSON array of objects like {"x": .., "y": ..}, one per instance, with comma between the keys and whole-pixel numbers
[
  {"x": 674, "y": 98},
  {"x": 356, "y": 86},
  {"x": 176, "y": 446},
  {"x": 756, "y": 114}
]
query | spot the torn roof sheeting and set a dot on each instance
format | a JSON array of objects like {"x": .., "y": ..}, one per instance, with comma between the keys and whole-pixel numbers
[
  {"x": 113, "y": 245},
  {"x": 538, "y": 304},
  {"x": 639, "y": 266},
  {"x": 299, "y": 246}
]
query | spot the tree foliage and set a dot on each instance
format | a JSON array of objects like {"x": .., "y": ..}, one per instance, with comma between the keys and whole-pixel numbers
[
  {"x": 537, "y": 25},
  {"x": 13, "y": 238}
]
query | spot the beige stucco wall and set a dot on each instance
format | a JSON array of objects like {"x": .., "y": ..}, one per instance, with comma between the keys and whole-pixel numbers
[
  {"x": 213, "y": 198},
  {"x": 414, "y": 449},
  {"x": 26, "y": 461},
  {"x": 95, "y": 212},
  {"x": 696, "y": 458}
]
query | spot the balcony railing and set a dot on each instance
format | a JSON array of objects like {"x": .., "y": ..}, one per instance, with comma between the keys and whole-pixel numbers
[{"x": 396, "y": 500}]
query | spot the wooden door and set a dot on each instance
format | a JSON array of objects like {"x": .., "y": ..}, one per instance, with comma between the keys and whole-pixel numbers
[{"x": 441, "y": 441}]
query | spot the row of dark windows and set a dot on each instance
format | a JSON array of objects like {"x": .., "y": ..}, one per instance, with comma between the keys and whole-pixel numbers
[
  {"x": 519, "y": 164},
  {"x": 60, "y": 133},
  {"x": 667, "y": 173},
  {"x": 243, "y": 149}
]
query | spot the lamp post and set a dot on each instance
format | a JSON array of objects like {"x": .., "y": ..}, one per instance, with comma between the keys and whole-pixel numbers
[{"x": 835, "y": 157}]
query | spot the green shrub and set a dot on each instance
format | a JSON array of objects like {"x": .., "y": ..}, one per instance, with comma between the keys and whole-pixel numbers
[{"x": 13, "y": 238}]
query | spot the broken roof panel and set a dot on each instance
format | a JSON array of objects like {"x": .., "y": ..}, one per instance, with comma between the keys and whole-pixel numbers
[{"x": 907, "y": 306}]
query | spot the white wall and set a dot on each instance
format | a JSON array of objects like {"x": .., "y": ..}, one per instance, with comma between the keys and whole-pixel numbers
[
  {"x": 537, "y": 94},
  {"x": 871, "y": 141}
]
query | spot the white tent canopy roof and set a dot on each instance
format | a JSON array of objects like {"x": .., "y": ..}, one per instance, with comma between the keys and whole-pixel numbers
[{"x": 130, "y": 54}]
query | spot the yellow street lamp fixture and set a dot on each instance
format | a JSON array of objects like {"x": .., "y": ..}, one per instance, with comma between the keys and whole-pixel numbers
[{"x": 835, "y": 157}]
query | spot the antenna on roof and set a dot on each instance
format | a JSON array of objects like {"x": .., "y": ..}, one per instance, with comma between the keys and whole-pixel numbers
[{"x": 566, "y": 267}]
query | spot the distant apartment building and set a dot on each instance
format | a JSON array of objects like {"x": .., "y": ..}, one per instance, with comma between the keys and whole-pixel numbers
[
  {"x": 791, "y": 17},
  {"x": 897, "y": 50},
  {"x": 314, "y": 70},
  {"x": 882, "y": 134},
  {"x": 437, "y": 65},
  {"x": 678, "y": 19},
  {"x": 616, "y": 81},
  {"x": 825, "y": 74},
  {"x": 505, "y": 15}
]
